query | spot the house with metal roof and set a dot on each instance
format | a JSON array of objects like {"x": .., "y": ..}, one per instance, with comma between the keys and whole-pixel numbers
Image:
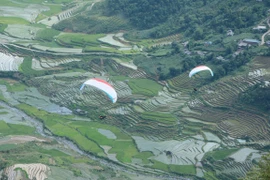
[
  {"x": 260, "y": 28},
  {"x": 242, "y": 44},
  {"x": 252, "y": 41}
]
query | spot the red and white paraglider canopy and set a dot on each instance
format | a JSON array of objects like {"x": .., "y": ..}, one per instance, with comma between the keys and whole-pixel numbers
[{"x": 102, "y": 85}]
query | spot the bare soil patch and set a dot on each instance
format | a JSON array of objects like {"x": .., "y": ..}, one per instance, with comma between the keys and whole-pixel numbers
[{"x": 20, "y": 139}]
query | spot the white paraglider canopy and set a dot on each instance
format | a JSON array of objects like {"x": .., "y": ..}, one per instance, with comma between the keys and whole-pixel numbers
[
  {"x": 103, "y": 86},
  {"x": 198, "y": 69}
]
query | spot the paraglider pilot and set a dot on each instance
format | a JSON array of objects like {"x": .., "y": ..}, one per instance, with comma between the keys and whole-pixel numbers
[{"x": 102, "y": 117}]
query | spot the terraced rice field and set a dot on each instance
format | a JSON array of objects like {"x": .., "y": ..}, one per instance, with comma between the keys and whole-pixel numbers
[
  {"x": 33, "y": 170},
  {"x": 57, "y": 49},
  {"x": 161, "y": 41},
  {"x": 186, "y": 152},
  {"x": 9, "y": 62},
  {"x": 243, "y": 154},
  {"x": 32, "y": 97},
  {"x": 215, "y": 101},
  {"x": 109, "y": 39},
  {"x": 22, "y": 31},
  {"x": 46, "y": 63},
  {"x": 167, "y": 40},
  {"x": 127, "y": 71},
  {"x": 49, "y": 21},
  {"x": 232, "y": 168},
  {"x": 205, "y": 119},
  {"x": 163, "y": 125},
  {"x": 29, "y": 13}
]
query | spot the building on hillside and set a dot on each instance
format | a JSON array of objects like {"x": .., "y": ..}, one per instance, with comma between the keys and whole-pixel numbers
[
  {"x": 138, "y": 101},
  {"x": 251, "y": 41},
  {"x": 220, "y": 58},
  {"x": 201, "y": 53},
  {"x": 80, "y": 112},
  {"x": 230, "y": 32},
  {"x": 185, "y": 43},
  {"x": 208, "y": 43},
  {"x": 259, "y": 27},
  {"x": 236, "y": 53},
  {"x": 242, "y": 44},
  {"x": 267, "y": 43},
  {"x": 186, "y": 51}
]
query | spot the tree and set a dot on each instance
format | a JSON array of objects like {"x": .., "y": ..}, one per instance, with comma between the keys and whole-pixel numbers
[
  {"x": 175, "y": 47},
  {"x": 144, "y": 13},
  {"x": 174, "y": 72},
  {"x": 4, "y": 177},
  {"x": 3, "y": 165},
  {"x": 198, "y": 34},
  {"x": 229, "y": 49},
  {"x": 261, "y": 171}
]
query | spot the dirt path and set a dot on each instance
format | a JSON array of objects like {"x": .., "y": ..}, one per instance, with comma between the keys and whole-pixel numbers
[
  {"x": 20, "y": 139},
  {"x": 268, "y": 23}
]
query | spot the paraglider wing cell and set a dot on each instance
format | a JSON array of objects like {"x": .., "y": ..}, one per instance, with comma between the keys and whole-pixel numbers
[
  {"x": 198, "y": 69},
  {"x": 103, "y": 86}
]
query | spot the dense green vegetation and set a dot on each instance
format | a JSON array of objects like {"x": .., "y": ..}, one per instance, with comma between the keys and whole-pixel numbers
[
  {"x": 177, "y": 15},
  {"x": 93, "y": 24},
  {"x": 200, "y": 22},
  {"x": 261, "y": 171},
  {"x": 165, "y": 66},
  {"x": 46, "y": 34},
  {"x": 173, "y": 64},
  {"x": 257, "y": 96},
  {"x": 145, "y": 13},
  {"x": 169, "y": 17}
]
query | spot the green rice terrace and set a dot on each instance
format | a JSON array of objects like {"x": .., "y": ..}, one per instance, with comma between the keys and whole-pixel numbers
[{"x": 164, "y": 125}]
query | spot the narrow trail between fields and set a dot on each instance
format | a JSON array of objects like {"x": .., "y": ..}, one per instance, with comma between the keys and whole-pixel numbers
[{"x": 268, "y": 23}]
